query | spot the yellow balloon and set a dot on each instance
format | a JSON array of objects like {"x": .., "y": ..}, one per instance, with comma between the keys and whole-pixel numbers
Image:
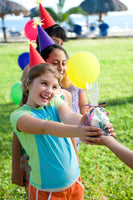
[{"x": 82, "y": 68}]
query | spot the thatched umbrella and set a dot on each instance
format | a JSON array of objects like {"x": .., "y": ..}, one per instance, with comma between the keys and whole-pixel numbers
[
  {"x": 100, "y": 7},
  {"x": 10, "y": 7},
  {"x": 34, "y": 12}
]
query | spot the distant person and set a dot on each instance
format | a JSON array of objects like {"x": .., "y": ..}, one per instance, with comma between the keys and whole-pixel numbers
[
  {"x": 92, "y": 27},
  {"x": 77, "y": 29},
  {"x": 103, "y": 29},
  {"x": 15, "y": 33}
]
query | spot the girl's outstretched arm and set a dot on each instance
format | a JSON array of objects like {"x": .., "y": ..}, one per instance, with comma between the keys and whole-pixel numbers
[
  {"x": 32, "y": 125},
  {"x": 72, "y": 128},
  {"x": 122, "y": 152}
]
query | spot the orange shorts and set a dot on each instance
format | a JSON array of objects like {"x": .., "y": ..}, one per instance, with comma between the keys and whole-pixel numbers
[{"x": 75, "y": 192}]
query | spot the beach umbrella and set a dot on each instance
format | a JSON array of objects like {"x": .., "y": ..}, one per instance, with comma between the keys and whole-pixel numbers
[
  {"x": 100, "y": 7},
  {"x": 10, "y": 7},
  {"x": 34, "y": 12}
]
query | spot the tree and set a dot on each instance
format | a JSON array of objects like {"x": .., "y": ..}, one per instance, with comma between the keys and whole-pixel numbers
[
  {"x": 58, "y": 15},
  {"x": 61, "y": 16}
]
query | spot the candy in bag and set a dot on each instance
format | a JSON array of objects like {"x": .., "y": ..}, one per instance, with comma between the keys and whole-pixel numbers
[{"x": 96, "y": 114}]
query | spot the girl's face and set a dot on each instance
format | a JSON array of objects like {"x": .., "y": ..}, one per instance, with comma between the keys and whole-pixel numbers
[
  {"x": 57, "y": 40},
  {"x": 42, "y": 90},
  {"x": 58, "y": 58}
]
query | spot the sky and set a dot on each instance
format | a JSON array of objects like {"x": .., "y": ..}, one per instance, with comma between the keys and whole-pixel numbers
[{"x": 69, "y": 4}]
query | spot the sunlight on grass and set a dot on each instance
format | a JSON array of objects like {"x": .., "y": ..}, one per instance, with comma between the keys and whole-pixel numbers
[{"x": 116, "y": 89}]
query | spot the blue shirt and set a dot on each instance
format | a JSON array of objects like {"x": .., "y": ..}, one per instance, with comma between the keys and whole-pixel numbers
[{"x": 52, "y": 159}]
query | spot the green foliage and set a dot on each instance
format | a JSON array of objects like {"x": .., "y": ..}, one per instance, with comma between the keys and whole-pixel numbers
[
  {"x": 60, "y": 16},
  {"x": 60, "y": 4},
  {"x": 116, "y": 88}
]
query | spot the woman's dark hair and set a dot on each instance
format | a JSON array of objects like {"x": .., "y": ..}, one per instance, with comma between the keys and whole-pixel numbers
[
  {"x": 48, "y": 50},
  {"x": 55, "y": 30}
]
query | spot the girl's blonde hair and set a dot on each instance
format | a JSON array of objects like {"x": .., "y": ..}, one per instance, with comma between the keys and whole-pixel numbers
[{"x": 34, "y": 73}]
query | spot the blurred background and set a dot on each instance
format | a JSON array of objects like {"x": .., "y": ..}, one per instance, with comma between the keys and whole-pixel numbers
[{"x": 79, "y": 18}]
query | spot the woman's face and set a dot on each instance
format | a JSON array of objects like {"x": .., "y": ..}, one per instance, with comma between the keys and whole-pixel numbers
[{"x": 58, "y": 58}]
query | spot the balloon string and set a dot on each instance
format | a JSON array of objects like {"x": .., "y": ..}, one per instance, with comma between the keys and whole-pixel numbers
[
  {"x": 90, "y": 110},
  {"x": 100, "y": 191},
  {"x": 89, "y": 185}
]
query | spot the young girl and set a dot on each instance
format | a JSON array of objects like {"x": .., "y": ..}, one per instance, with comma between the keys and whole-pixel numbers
[
  {"x": 42, "y": 128},
  {"x": 20, "y": 167},
  {"x": 58, "y": 57}
]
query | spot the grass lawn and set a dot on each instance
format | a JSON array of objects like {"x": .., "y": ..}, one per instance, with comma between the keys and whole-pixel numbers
[{"x": 114, "y": 179}]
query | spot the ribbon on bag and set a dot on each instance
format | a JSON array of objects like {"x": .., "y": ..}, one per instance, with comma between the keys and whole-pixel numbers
[{"x": 90, "y": 108}]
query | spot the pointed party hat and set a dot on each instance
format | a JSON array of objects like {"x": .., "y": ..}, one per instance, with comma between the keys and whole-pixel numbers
[
  {"x": 35, "y": 57},
  {"x": 46, "y": 18},
  {"x": 44, "y": 39}
]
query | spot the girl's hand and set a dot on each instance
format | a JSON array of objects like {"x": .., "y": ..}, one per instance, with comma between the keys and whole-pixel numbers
[
  {"x": 88, "y": 134},
  {"x": 92, "y": 135},
  {"x": 110, "y": 127},
  {"x": 111, "y": 130}
]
